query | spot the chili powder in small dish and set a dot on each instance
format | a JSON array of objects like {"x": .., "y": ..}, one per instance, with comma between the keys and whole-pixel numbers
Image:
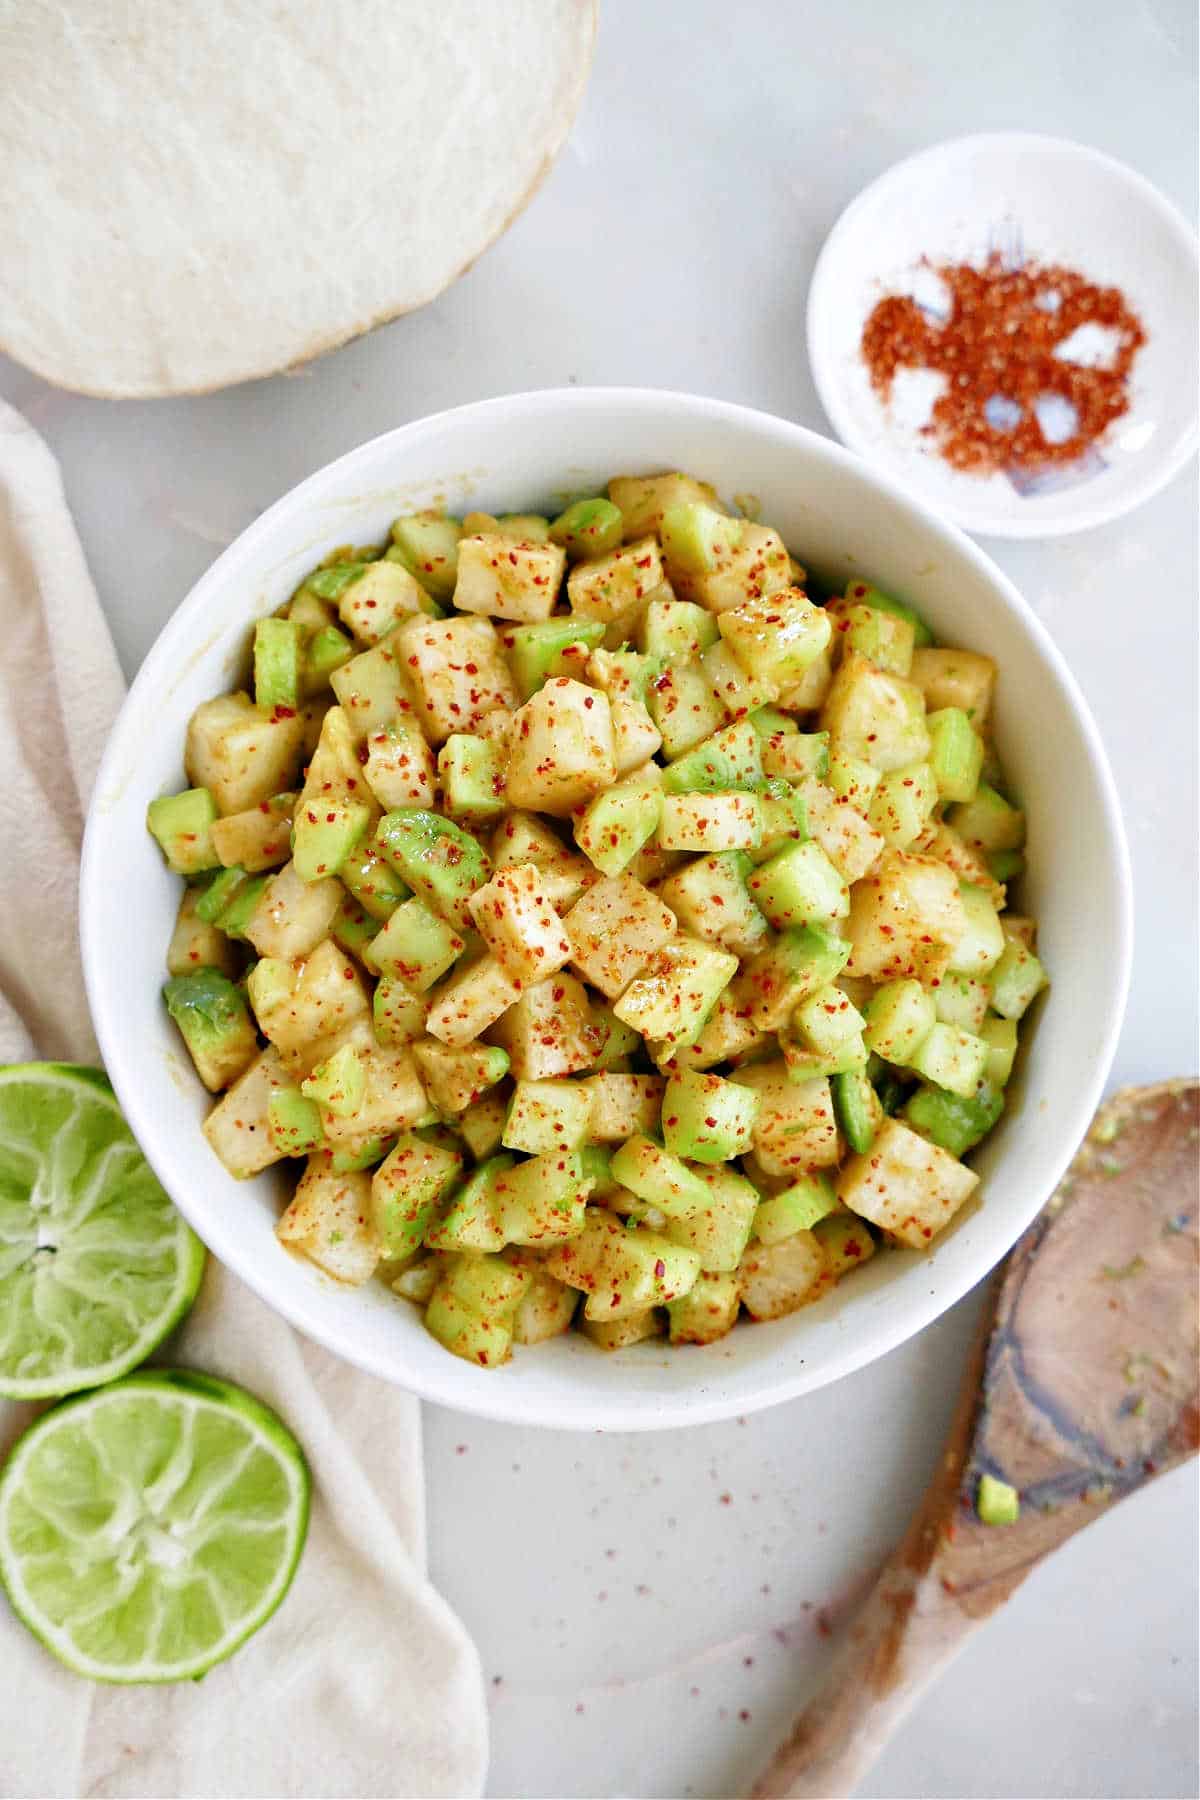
[
  {"x": 1008, "y": 324},
  {"x": 1036, "y": 362}
]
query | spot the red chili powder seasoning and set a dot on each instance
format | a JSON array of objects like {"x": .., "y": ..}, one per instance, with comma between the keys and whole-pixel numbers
[{"x": 996, "y": 347}]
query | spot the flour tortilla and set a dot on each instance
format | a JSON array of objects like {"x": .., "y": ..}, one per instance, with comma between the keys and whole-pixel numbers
[{"x": 196, "y": 192}]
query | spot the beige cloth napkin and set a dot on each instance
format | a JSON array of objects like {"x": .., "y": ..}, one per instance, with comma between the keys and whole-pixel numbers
[{"x": 364, "y": 1683}]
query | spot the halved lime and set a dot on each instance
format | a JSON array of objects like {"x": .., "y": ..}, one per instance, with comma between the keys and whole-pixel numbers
[
  {"x": 96, "y": 1265},
  {"x": 146, "y": 1530}
]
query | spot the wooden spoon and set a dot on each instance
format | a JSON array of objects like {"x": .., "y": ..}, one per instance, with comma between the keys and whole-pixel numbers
[{"x": 1081, "y": 1388}]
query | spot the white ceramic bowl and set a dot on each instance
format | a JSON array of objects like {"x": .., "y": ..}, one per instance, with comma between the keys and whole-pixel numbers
[
  {"x": 1031, "y": 198},
  {"x": 839, "y": 517}
]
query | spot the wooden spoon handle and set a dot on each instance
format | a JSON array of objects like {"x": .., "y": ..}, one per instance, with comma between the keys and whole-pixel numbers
[{"x": 898, "y": 1645}]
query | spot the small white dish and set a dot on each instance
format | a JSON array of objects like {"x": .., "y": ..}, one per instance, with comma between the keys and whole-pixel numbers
[
  {"x": 1030, "y": 198},
  {"x": 842, "y": 518}
]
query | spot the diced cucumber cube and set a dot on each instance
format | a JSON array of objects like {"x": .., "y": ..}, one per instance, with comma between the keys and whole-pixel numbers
[
  {"x": 214, "y": 1024},
  {"x": 406, "y": 1189},
  {"x": 622, "y": 1271},
  {"x": 828, "y": 1022},
  {"x": 710, "y": 898},
  {"x": 856, "y": 1104},
  {"x": 862, "y": 593},
  {"x": 326, "y": 650},
  {"x": 278, "y": 663},
  {"x": 338, "y": 1084},
  {"x": 956, "y": 1122},
  {"x": 677, "y": 630},
  {"x": 981, "y": 945},
  {"x": 426, "y": 544},
  {"x": 695, "y": 537},
  {"x": 800, "y": 962},
  {"x": 472, "y": 776},
  {"x": 1000, "y": 1036},
  {"x": 324, "y": 833},
  {"x": 769, "y": 722},
  {"x": 719, "y": 1230},
  {"x": 729, "y": 759},
  {"x": 415, "y": 946},
  {"x": 294, "y": 1123},
  {"x": 543, "y": 1199},
  {"x": 846, "y": 1242},
  {"x": 482, "y": 1125},
  {"x": 738, "y": 690},
  {"x": 471, "y": 1217},
  {"x": 182, "y": 824},
  {"x": 613, "y": 827},
  {"x": 218, "y": 894},
  {"x": 884, "y": 638},
  {"x": 951, "y": 1059},
  {"x": 900, "y": 1016},
  {"x": 588, "y": 528},
  {"x": 852, "y": 779},
  {"x": 353, "y": 928},
  {"x": 472, "y": 1310},
  {"x": 437, "y": 858},
  {"x": 997, "y": 1502},
  {"x": 536, "y": 651},
  {"x": 544, "y": 1116},
  {"x": 1016, "y": 980},
  {"x": 376, "y": 887},
  {"x": 795, "y": 1208},
  {"x": 658, "y": 1177},
  {"x": 799, "y": 756},
  {"x": 961, "y": 1001},
  {"x": 707, "y": 1119},
  {"x": 903, "y": 804},
  {"x": 354, "y": 1154},
  {"x": 987, "y": 822},
  {"x": 456, "y": 1077},
  {"x": 1005, "y": 865},
  {"x": 799, "y": 886},
  {"x": 677, "y": 990},
  {"x": 785, "y": 818},
  {"x": 955, "y": 753},
  {"x": 595, "y": 1163}
]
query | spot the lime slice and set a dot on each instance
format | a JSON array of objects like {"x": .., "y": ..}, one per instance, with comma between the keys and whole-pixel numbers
[
  {"x": 146, "y": 1530},
  {"x": 96, "y": 1265}
]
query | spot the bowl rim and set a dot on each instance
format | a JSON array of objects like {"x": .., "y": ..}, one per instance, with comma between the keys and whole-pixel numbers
[
  {"x": 1135, "y": 490},
  {"x": 126, "y": 1065}
]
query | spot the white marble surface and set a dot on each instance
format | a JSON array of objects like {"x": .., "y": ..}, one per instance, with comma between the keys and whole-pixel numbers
[{"x": 650, "y": 1609}]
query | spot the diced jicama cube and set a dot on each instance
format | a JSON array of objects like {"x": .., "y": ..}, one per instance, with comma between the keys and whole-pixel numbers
[
  {"x": 548, "y": 1031},
  {"x": 621, "y": 1105},
  {"x": 465, "y": 1006},
  {"x": 238, "y": 1126},
  {"x": 373, "y": 689},
  {"x": 777, "y": 1279},
  {"x": 197, "y": 945},
  {"x": 876, "y": 716},
  {"x": 906, "y": 1185},
  {"x": 616, "y": 586},
  {"x": 778, "y": 634},
  {"x": 905, "y": 918},
  {"x": 293, "y": 915},
  {"x": 709, "y": 822},
  {"x": 562, "y": 749},
  {"x": 399, "y": 768},
  {"x": 258, "y": 838},
  {"x": 329, "y": 1222},
  {"x": 241, "y": 753},
  {"x": 614, "y": 929},
  {"x": 378, "y": 599},
  {"x": 507, "y": 579},
  {"x": 457, "y": 673},
  {"x": 959, "y": 678},
  {"x": 795, "y": 1127},
  {"x": 515, "y": 916},
  {"x": 676, "y": 990}
]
